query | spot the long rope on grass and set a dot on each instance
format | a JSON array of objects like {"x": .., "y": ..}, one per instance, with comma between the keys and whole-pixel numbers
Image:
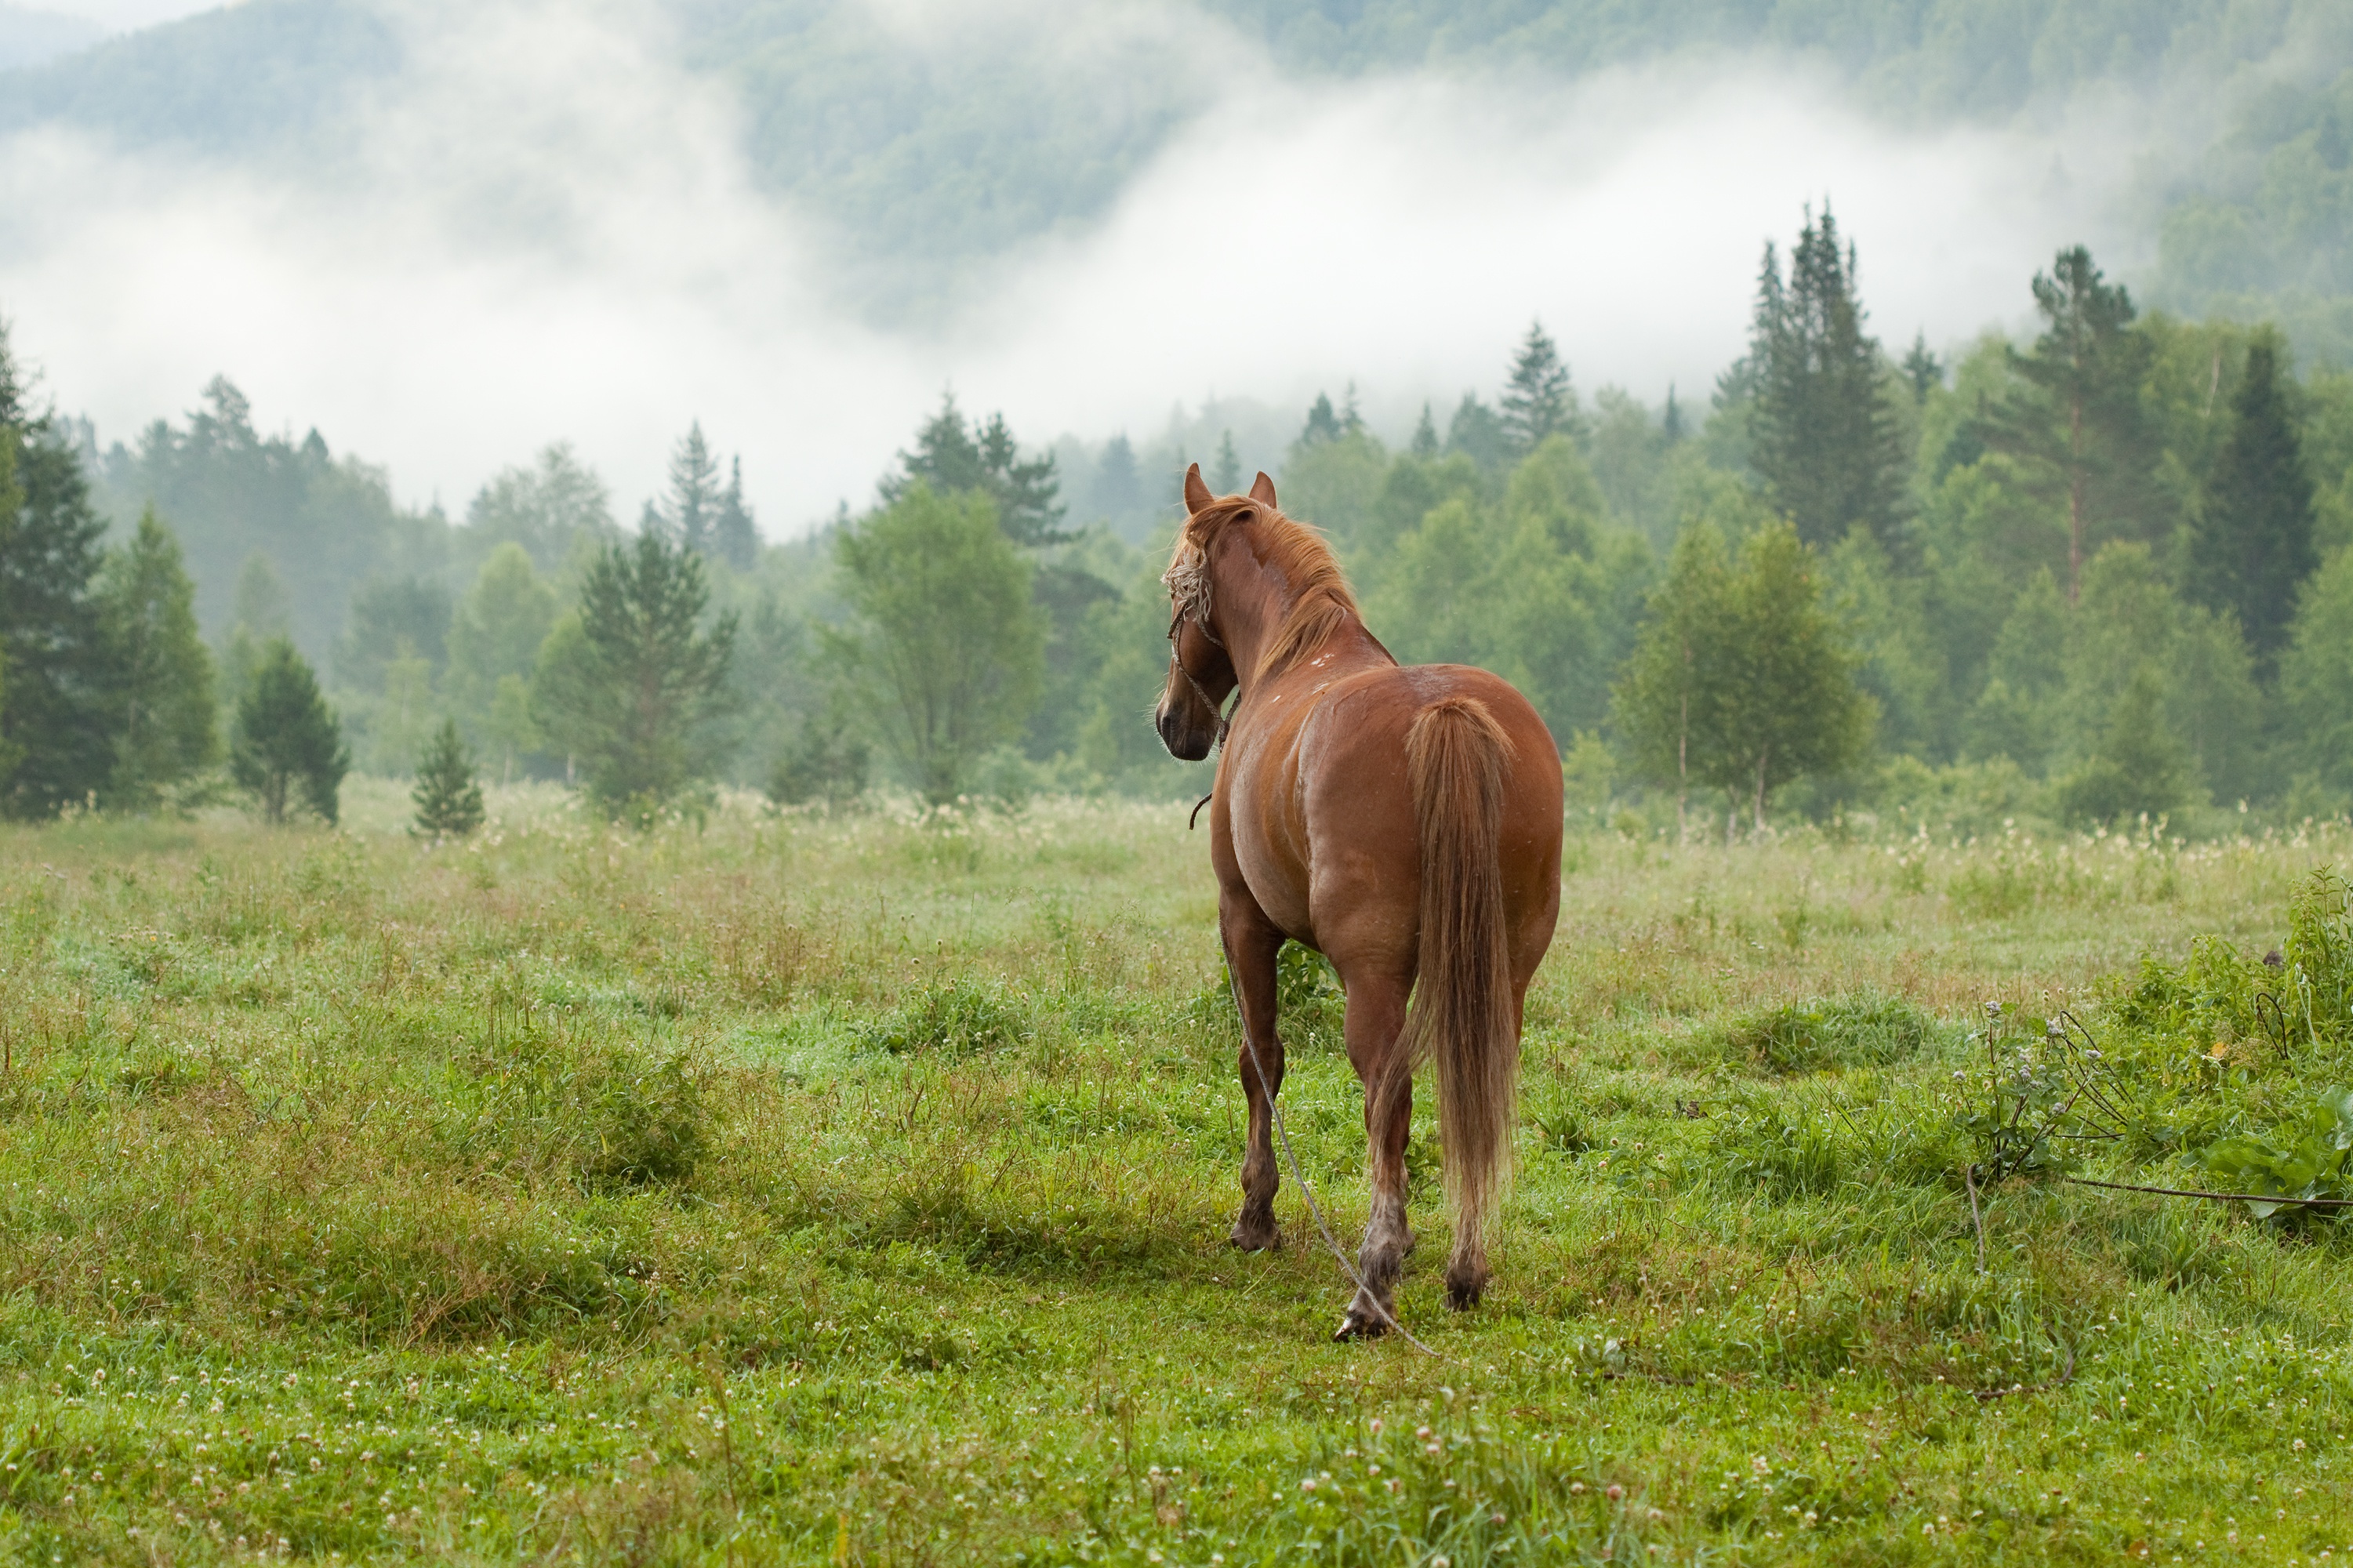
[
  {"x": 1283, "y": 1133},
  {"x": 2219, "y": 1197}
]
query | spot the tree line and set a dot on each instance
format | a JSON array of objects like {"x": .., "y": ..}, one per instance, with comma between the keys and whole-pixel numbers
[{"x": 2096, "y": 573}]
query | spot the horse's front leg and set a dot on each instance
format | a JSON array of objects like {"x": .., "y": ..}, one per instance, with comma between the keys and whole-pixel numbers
[
  {"x": 1376, "y": 1019},
  {"x": 1251, "y": 944}
]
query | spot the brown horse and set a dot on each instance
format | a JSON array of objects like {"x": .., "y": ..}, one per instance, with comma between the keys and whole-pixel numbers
[{"x": 1404, "y": 822}]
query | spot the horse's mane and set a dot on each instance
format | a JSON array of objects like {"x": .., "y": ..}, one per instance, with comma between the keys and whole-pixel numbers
[{"x": 1321, "y": 601}]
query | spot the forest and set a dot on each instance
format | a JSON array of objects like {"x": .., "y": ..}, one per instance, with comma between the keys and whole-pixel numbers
[{"x": 2087, "y": 576}]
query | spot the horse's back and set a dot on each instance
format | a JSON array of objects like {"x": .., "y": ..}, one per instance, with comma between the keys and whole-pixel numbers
[{"x": 1355, "y": 788}]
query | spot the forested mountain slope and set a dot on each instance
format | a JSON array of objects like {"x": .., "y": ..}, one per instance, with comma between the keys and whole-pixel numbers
[{"x": 929, "y": 140}]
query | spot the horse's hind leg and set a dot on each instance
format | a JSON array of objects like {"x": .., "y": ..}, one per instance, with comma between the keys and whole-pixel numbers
[
  {"x": 1376, "y": 1017},
  {"x": 1251, "y": 942}
]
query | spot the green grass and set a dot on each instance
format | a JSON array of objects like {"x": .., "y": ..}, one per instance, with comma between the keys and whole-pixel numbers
[{"x": 854, "y": 1189}]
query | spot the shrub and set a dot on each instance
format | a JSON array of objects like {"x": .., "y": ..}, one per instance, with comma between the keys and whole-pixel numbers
[
  {"x": 1865, "y": 1030},
  {"x": 959, "y": 1019}
]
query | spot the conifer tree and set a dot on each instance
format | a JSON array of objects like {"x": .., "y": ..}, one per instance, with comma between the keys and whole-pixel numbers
[
  {"x": 2076, "y": 428},
  {"x": 1478, "y": 434},
  {"x": 1659, "y": 703},
  {"x": 1322, "y": 425},
  {"x": 1119, "y": 490},
  {"x": 1424, "y": 445},
  {"x": 632, "y": 685},
  {"x": 168, "y": 732},
  {"x": 1537, "y": 400},
  {"x": 734, "y": 537},
  {"x": 949, "y": 459},
  {"x": 689, "y": 512},
  {"x": 1823, "y": 438},
  {"x": 57, "y": 711},
  {"x": 1922, "y": 368},
  {"x": 287, "y": 742},
  {"x": 448, "y": 796},
  {"x": 1228, "y": 480},
  {"x": 2253, "y": 545}
]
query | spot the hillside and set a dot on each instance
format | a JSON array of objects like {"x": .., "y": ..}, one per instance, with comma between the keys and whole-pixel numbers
[{"x": 928, "y": 151}]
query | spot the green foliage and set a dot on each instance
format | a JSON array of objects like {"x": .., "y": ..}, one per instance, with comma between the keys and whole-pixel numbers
[
  {"x": 1824, "y": 438},
  {"x": 959, "y": 1018},
  {"x": 286, "y": 742},
  {"x": 1741, "y": 680},
  {"x": 827, "y": 762},
  {"x": 57, "y": 710},
  {"x": 2138, "y": 769},
  {"x": 539, "y": 1100},
  {"x": 2251, "y": 548},
  {"x": 949, "y": 648},
  {"x": 2303, "y": 1157},
  {"x": 448, "y": 796},
  {"x": 952, "y": 460},
  {"x": 555, "y": 511},
  {"x": 1865, "y": 1030},
  {"x": 1538, "y": 402},
  {"x": 495, "y": 635},
  {"x": 168, "y": 730},
  {"x": 631, "y": 687}
]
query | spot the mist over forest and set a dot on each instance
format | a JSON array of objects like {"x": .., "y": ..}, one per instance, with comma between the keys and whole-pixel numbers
[{"x": 399, "y": 319}]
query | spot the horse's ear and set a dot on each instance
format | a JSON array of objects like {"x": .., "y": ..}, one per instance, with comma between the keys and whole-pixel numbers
[
  {"x": 1262, "y": 491},
  {"x": 1197, "y": 494}
]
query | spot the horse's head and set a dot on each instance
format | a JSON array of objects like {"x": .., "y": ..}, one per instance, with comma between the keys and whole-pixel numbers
[{"x": 1200, "y": 672}]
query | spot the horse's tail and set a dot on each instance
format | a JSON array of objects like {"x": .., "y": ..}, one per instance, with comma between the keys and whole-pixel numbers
[{"x": 1461, "y": 1014}]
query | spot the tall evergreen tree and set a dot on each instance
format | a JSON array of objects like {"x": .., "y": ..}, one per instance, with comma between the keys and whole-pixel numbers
[
  {"x": 689, "y": 512},
  {"x": 57, "y": 711},
  {"x": 1424, "y": 445},
  {"x": 288, "y": 740},
  {"x": 734, "y": 536},
  {"x": 1477, "y": 433},
  {"x": 1322, "y": 425},
  {"x": 2076, "y": 427},
  {"x": 1823, "y": 438},
  {"x": 632, "y": 686},
  {"x": 1229, "y": 478},
  {"x": 1118, "y": 490},
  {"x": 950, "y": 459},
  {"x": 1538, "y": 399},
  {"x": 2253, "y": 546},
  {"x": 168, "y": 732},
  {"x": 1921, "y": 369}
]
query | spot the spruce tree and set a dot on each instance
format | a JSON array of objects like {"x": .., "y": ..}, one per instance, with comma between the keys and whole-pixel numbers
[
  {"x": 168, "y": 732},
  {"x": 1921, "y": 369},
  {"x": 448, "y": 796},
  {"x": 1823, "y": 438},
  {"x": 1119, "y": 491},
  {"x": 2075, "y": 427},
  {"x": 287, "y": 743},
  {"x": 2253, "y": 546},
  {"x": 631, "y": 685},
  {"x": 57, "y": 712},
  {"x": 1537, "y": 400},
  {"x": 1228, "y": 480},
  {"x": 1322, "y": 425},
  {"x": 689, "y": 512},
  {"x": 734, "y": 536},
  {"x": 950, "y": 459},
  {"x": 1424, "y": 444},
  {"x": 1478, "y": 434}
]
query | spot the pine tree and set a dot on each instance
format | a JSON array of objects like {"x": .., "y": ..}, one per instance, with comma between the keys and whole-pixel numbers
[
  {"x": 1229, "y": 478},
  {"x": 1322, "y": 425},
  {"x": 448, "y": 796},
  {"x": 948, "y": 459},
  {"x": 287, "y": 738},
  {"x": 58, "y": 721},
  {"x": 1670, "y": 423},
  {"x": 1537, "y": 400},
  {"x": 689, "y": 512},
  {"x": 1921, "y": 369},
  {"x": 168, "y": 732},
  {"x": 1823, "y": 436},
  {"x": 1119, "y": 493},
  {"x": 632, "y": 685},
  {"x": 2076, "y": 428},
  {"x": 1424, "y": 444},
  {"x": 734, "y": 536},
  {"x": 1478, "y": 434},
  {"x": 2253, "y": 546}
]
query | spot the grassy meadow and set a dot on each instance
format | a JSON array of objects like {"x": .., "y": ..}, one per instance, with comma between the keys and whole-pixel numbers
[{"x": 854, "y": 1189}]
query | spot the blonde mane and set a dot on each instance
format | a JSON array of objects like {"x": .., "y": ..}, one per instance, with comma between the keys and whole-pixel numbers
[{"x": 1321, "y": 602}]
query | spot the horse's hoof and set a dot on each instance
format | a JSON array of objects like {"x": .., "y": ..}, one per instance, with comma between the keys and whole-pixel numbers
[
  {"x": 1462, "y": 1298},
  {"x": 1355, "y": 1325},
  {"x": 1257, "y": 1238}
]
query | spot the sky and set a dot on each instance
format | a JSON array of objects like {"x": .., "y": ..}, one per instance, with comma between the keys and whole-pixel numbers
[
  {"x": 557, "y": 237},
  {"x": 123, "y": 16}
]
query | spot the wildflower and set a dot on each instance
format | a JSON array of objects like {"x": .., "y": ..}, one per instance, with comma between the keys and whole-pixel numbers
[{"x": 1615, "y": 1492}]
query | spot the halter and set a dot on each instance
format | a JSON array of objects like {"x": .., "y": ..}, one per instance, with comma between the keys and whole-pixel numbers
[{"x": 1177, "y": 664}]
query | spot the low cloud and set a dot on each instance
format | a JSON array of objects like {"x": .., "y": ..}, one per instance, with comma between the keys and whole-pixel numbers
[{"x": 551, "y": 232}]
